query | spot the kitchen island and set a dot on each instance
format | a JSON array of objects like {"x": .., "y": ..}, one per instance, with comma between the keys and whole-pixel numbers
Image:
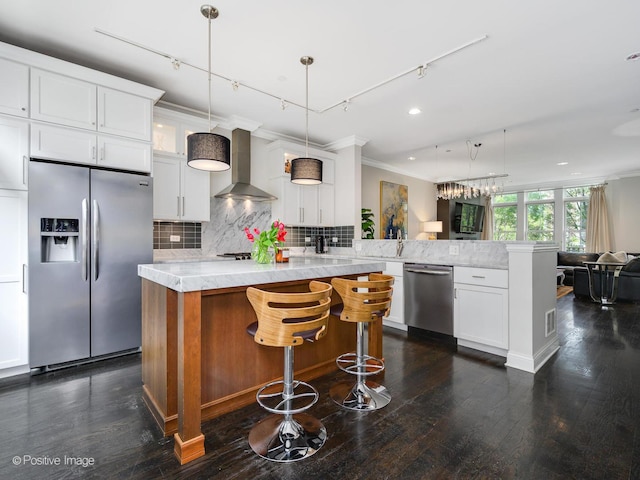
[{"x": 198, "y": 362}]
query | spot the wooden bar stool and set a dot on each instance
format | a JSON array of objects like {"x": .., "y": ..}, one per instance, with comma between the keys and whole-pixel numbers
[
  {"x": 286, "y": 320},
  {"x": 363, "y": 302}
]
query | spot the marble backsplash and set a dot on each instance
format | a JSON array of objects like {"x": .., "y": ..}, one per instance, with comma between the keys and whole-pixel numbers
[
  {"x": 225, "y": 232},
  {"x": 470, "y": 252}
]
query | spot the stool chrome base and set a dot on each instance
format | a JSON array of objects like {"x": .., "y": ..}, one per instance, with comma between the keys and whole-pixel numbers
[
  {"x": 364, "y": 395},
  {"x": 289, "y": 438}
]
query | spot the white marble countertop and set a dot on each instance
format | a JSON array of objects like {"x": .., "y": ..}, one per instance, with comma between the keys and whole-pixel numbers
[{"x": 194, "y": 276}]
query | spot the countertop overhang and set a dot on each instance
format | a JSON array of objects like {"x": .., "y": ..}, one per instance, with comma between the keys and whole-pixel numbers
[{"x": 196, "y": 276}]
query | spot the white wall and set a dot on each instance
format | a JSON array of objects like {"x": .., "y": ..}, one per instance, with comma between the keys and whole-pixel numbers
[
  {"x": 623, "y": 199},
  {"x": 422, "y": 198}
]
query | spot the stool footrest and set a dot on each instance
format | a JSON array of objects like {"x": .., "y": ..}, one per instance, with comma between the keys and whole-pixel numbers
[
  {"x": 274, "y": 401},
  {"x": 363, "y": 395},
  {"x": 364, "y": 365}
]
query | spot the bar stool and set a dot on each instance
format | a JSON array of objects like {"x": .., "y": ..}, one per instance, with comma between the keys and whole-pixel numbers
[
  {"x": 363, "y": 302},
  {"x": 286, "y": 320}
]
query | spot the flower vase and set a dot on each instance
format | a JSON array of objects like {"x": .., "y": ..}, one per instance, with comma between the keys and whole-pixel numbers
[{"x": 261, "y": 253}]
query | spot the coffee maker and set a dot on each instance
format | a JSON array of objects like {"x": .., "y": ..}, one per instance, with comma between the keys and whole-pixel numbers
[{"x": 320, "y": 245}]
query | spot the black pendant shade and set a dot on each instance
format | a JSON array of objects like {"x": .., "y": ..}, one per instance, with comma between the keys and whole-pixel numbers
[
  {"x": 208, "y": 151},
  {"x": 306, "y": 171}
]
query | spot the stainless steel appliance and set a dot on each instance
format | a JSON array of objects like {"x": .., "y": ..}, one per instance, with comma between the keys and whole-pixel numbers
[
  {"x": 320, "y": 244},
  {"x": 428, "y": 297},
  {"x": 88, "y": 231}
]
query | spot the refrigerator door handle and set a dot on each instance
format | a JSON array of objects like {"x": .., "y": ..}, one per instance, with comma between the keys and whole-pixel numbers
[
  {"x": 85, "y": 239},
  {"x": 95, "y": 258}
]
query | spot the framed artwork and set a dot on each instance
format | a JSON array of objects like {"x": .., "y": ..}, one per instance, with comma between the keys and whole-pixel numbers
[{"x": 394, "y": 210}]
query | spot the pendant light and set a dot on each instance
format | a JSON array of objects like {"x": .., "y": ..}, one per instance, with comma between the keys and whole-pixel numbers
[
  {"x": 206, "y": 150},
  {"x": 306, "y": 170}
]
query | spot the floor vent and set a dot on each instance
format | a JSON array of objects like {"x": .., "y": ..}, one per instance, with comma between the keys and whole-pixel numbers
[{"x": 550, "y": 322}]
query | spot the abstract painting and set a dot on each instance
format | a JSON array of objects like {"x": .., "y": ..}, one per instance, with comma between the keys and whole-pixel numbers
[{"x": 394, "y": 203}]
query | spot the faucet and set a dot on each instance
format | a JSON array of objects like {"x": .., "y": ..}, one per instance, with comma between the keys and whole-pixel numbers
[{"x": 399, "y": 245}]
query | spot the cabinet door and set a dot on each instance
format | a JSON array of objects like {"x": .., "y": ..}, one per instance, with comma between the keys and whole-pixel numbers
[
  {"x": 14, "y": 88},
  {"x": 63, "y": 100},
  {"x": 14, "y": 153},
  {"x": 64, "y": 144},
  {"x": 326, "y": 205},
  {"x": 309, "y": 204},
  {"x": 13, "y": 314},
  {"x": 124, "y": 114},
  {"x": 481, "y": 315},
  {"x": 167, "y": 201},
  {"x": 195, "y": 194},
  {"x": 124, "y": 154}
]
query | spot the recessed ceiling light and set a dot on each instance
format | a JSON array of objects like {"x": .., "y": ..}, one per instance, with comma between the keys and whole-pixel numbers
[
  {"x": 415, "y": 111},
  {"x": 576, "y": 173},
  {"x": 491, "y": 174},
  {"x": 412, "y": 158},
  {"x": 562, "y": 163},
  {"x": 633, "y": 56}
]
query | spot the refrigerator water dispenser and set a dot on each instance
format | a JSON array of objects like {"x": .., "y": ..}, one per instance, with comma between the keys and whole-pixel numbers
[{"x": 59, "y": 239}]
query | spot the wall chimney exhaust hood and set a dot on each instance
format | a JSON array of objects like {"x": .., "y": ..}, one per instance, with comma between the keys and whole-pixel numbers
[{"x": 240, "y": 187}]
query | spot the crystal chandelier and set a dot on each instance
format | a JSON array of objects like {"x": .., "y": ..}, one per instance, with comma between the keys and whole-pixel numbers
[{"x": 469, "y": 188}]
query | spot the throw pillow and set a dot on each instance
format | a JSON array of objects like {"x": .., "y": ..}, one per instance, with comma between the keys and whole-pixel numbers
[{"x": 609, "y": 257}]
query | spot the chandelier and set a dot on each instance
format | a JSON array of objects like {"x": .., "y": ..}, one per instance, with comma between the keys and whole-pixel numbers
[{"x": 470, "y": 188}]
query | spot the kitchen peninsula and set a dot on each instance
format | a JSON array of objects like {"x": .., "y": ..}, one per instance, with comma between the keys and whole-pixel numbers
[{"x": 198, "y": 362}]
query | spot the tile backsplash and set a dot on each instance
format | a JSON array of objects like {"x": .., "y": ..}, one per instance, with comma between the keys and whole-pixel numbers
[
  {"x": 185, "y": 235},
  {"x": 296, "y": 236}
]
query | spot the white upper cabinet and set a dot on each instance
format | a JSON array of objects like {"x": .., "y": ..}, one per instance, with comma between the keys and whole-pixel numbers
[
  {"x": 14, "y": 153},
  {"x": 64, "y": 144},
  {"x": 171, "y": 129},
  {"x": 75, "y": 103},
  {"x": 124, "y": 154},
  {"x": 62, "y": 100},
  {"x": 14, "y": 88},
  {"x": 124, "y": 114}
]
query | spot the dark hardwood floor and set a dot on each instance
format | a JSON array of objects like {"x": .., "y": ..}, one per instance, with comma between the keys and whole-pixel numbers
[{"x": 454, "y": 414}]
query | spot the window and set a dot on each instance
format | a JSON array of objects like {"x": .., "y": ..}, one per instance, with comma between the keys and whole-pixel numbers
[
  {"x": 576, "y": 203},
  {"x": 505, "y": 216},
  {"x": 540, "y": 207}
]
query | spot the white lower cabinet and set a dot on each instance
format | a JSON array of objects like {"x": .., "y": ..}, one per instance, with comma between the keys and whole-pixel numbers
[
  {"x": 481, "y": 309},
  {"x": 14, "y": 341},
  {"x": 179, "y": 191},
  {"x": 396, "y": 314}
]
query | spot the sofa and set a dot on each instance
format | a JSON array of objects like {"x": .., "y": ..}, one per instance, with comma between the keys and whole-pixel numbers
[{"x": 577, "y": 276}]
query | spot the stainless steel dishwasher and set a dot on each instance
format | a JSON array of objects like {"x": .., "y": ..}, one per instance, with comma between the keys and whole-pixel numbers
[{"x": 428, "y": 297}]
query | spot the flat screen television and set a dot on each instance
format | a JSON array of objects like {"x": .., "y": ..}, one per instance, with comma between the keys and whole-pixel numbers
[{"x": 468, "y": 218}]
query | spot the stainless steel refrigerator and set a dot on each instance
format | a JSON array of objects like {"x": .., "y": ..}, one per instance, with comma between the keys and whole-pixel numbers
[{"x": 88, "y": 231}]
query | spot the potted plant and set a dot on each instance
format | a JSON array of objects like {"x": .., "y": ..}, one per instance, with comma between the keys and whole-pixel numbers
[{"x": 368, "y": 225}]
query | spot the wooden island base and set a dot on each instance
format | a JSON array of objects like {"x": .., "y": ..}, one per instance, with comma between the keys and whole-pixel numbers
[{"x": 198, "y": 362}]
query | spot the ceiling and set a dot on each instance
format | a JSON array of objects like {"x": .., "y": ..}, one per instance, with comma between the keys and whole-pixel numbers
[{"x": 551, "y": 82}]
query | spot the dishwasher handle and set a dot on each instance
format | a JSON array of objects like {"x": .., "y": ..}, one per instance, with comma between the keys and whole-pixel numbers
[{"x": 429, "y": 272}]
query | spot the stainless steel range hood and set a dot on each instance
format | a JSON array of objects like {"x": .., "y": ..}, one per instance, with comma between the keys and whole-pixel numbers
[{"x": 240, "y": 187}]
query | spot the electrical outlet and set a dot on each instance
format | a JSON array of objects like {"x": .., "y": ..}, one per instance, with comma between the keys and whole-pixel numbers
[
  {"x": 174, "y": 238},
  {"x": 307, "y": 239},
  {"x": 334, "y": 239},
  {"x": 358, "y": 246},
  {"x": 454, "y": 250}
]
